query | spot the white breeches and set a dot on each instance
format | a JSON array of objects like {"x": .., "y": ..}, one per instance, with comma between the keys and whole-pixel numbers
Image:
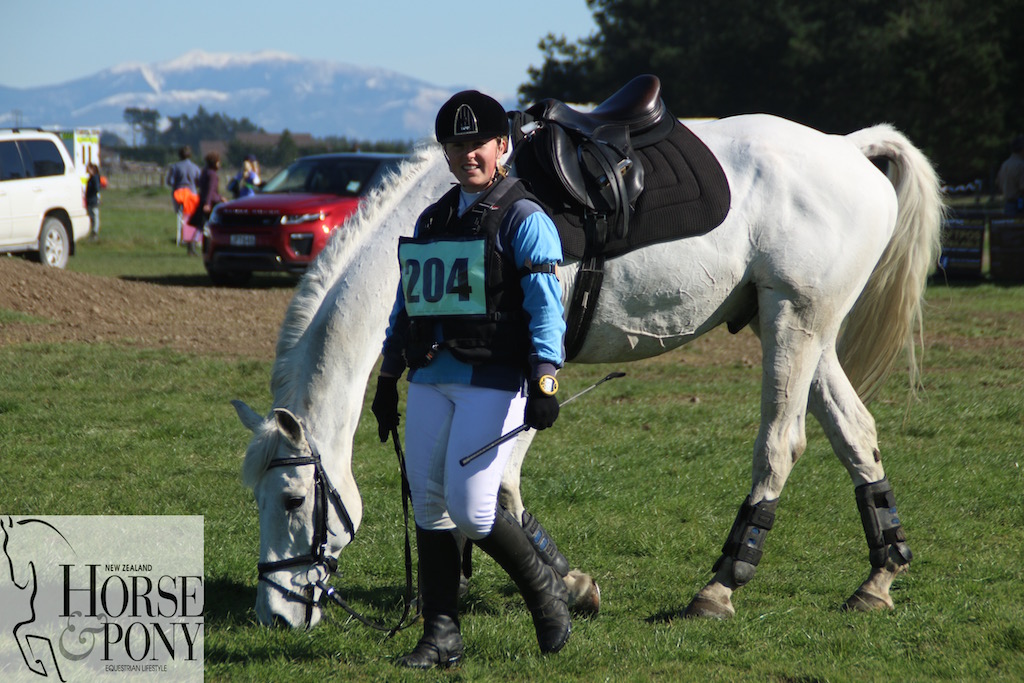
[{"x": 445, "y": 423}]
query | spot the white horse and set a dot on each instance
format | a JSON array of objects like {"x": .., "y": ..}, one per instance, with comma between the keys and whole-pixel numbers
[{"x": 834, "y": 253}]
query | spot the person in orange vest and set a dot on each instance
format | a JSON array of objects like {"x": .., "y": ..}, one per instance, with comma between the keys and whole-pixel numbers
[{"x": 183, "y": 175}]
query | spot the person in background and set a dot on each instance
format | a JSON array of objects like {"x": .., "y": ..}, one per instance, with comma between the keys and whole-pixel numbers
[
  {"x": 247, "y": 181},
  {"x": 183, "y": 175},
  {"x": 92, "y": 201},
  {"x": 1010, "y": 179},
  {"x": 482, "y": 353},
  {"x": 209, "y": 194},
  {"x": 250, "y": 181}
]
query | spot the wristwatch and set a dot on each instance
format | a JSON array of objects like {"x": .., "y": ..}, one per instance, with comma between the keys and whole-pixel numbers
[{"x": 548, "y": 385}]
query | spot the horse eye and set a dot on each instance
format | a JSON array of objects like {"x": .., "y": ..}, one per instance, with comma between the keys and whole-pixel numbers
[{"x": 293, "y": 503}]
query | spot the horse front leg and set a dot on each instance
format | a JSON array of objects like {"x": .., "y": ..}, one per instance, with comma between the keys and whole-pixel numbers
[
  {"x": 790, "y": 355},
  {"x": 850, "y": 429},
  {"x": 584, "y": 593}
]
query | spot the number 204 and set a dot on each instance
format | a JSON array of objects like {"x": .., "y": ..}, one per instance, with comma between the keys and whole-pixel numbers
[{"x": 434, "y": 282}]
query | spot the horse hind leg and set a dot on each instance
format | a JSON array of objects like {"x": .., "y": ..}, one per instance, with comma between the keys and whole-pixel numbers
[
  {"x": 850, "y": 429},
  {"x": 790, "y": 350},
  {"x": 584, "y": 593}
]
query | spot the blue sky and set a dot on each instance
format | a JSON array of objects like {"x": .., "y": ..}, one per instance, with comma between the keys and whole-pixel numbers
[{"x": 476, "y": 43}]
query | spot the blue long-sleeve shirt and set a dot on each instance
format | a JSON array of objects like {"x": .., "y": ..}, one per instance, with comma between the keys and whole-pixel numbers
[
  {"x": 531, "y": 237},
  {"x": 183, "y": 173}
]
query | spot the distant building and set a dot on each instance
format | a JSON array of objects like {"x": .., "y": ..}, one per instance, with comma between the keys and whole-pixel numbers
[{"x": 207, "y": 146}]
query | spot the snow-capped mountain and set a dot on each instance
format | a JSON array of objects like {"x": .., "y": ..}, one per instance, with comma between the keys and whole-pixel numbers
[{"x": 274, "y": 90}]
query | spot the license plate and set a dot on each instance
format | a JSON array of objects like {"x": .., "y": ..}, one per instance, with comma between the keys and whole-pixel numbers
[{"x": 243, "y": 240}]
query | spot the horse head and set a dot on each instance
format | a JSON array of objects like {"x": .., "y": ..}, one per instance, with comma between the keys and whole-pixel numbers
[
  {"x": 299, "y": 460},
  {"x": 307, "y": 515}
]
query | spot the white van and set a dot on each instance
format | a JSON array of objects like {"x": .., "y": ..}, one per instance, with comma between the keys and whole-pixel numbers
[{"x": 42, "y": 201}]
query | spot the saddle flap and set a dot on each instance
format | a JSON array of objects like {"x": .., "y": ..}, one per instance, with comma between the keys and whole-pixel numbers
[
  {"x": 561, "y": 154},
  {"x": 613, "y": 169},
  {"x": 599, "y": 172}
]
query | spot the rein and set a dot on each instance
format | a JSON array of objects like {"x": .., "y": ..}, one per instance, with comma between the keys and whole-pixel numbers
[{"x": 322, "y": 565}]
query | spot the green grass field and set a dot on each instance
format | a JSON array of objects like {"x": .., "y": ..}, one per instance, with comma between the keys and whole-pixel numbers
[{"x": 638, "y": 483}]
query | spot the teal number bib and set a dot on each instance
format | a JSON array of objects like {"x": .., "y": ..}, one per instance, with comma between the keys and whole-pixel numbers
[{"x": 443, "y": 277}]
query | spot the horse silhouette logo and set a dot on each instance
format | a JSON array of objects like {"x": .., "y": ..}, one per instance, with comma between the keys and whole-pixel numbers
[{"x": 19, "y": 587}]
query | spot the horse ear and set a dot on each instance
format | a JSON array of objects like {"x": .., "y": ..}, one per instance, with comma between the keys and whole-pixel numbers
[
  {"x": 290, "y": 426},
  {"x": 249, "y": 417}
]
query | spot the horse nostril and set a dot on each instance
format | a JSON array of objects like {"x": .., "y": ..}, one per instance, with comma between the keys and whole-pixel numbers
[{"x": 279, "y": 622}]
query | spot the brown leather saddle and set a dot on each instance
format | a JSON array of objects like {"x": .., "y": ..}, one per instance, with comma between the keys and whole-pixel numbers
[
  {"x": 622, "y": 176},
  {"x": 586, "y": 162}
]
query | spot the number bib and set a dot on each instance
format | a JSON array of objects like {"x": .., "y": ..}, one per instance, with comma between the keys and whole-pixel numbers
[{"x": 444, "y": 276}]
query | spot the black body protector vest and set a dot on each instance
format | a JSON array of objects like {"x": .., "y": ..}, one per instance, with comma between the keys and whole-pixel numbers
[{"x": 461, "y": 292}]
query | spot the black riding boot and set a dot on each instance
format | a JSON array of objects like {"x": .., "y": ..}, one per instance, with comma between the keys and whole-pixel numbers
[
  {"x": 542, "y": 589},
  {"x": 439, "y": 563}
]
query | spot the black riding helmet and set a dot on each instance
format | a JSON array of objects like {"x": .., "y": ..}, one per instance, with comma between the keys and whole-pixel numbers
[{"x": 470, "y": 115}]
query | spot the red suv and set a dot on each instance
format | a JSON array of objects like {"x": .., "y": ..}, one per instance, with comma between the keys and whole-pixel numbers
[{"x": 285, "y": 225}]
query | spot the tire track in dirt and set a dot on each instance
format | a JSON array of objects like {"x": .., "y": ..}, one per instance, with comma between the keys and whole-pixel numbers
[{"x": 74, "y": 307}]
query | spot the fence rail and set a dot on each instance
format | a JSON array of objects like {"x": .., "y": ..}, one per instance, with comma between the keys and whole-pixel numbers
[
  {"x": 132, "y": 179},
  {"x": 125, "y": 175}
]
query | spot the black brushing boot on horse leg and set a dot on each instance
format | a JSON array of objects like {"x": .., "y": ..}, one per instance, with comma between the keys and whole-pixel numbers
[
  {"x": 540, "y": 585},
  {"x": 439, "y": 563},
  {"x": 740, "y": 556}
]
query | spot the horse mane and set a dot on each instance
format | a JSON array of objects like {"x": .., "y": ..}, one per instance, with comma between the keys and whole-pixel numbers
[
  {"x": 332, "y": 263},
  {"x": 314, "y": 288}
]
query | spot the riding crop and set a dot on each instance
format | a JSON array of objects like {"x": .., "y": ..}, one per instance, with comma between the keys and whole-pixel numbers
[{"x": 522, "y": 428}]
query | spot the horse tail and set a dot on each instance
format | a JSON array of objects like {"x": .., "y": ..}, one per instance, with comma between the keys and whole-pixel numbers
[{"x": 885, "y": 317}]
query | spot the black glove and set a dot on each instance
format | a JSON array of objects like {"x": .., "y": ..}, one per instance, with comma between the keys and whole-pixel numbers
[
  {"x": 541, "y": 404},
  {"x": 385, "y": 406}
]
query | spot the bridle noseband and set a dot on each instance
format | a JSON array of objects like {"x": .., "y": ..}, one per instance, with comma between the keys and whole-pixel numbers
[{"x": 318, "y": 560}]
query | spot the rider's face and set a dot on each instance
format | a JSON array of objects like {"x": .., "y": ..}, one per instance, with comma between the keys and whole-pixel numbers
[{"x": 474, "y": 162}]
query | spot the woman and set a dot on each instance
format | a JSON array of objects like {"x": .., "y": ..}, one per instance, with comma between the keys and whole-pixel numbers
[
  {"x": 92, "y": 200},
  {"x": 478, "y": 321},
  {"x": 247, "y": 181},
  {"x": 209, "y": 196},
  {"x": 250, "y": 180}
]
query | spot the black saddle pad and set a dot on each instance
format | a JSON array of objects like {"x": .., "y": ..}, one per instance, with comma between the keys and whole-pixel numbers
[{"x": 685, "y": 194}]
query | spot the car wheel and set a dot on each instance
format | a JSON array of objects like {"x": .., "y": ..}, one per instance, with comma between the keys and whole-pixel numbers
[
  {"x": 54, "y": 243},
  {"x": 229, "y": 278}
]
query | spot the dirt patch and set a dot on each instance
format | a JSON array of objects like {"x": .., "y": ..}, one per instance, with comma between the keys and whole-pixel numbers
[{"x": 72, "y": 307}]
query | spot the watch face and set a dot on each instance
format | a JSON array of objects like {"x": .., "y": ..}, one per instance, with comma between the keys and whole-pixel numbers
[{"x": 548, "y": 384}]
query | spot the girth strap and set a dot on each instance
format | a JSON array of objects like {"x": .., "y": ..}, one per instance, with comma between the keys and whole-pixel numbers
[{"x": 585, "y": 292}]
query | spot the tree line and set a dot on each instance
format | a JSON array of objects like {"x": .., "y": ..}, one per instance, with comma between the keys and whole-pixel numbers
[
  {"x": 153, "y": 143},
  {"x": 948, "y": 73}
]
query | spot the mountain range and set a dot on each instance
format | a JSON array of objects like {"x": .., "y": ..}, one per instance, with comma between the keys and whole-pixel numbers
[{"x": 274, "y": 90}]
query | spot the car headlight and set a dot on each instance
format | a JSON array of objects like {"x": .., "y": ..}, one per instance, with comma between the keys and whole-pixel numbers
[
  {"x": 214, "y": 215},
  {"x": 302, "y": 218}
]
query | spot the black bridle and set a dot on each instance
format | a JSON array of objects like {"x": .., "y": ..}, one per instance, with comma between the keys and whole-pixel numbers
[{"x": 318, "y": 560}]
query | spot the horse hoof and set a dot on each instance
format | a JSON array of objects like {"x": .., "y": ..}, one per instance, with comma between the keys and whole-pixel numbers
[
  {"x": 584, "y": 594},
  {"x": 862, "y": 601},
  {"x": 706, "y": 608}
]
